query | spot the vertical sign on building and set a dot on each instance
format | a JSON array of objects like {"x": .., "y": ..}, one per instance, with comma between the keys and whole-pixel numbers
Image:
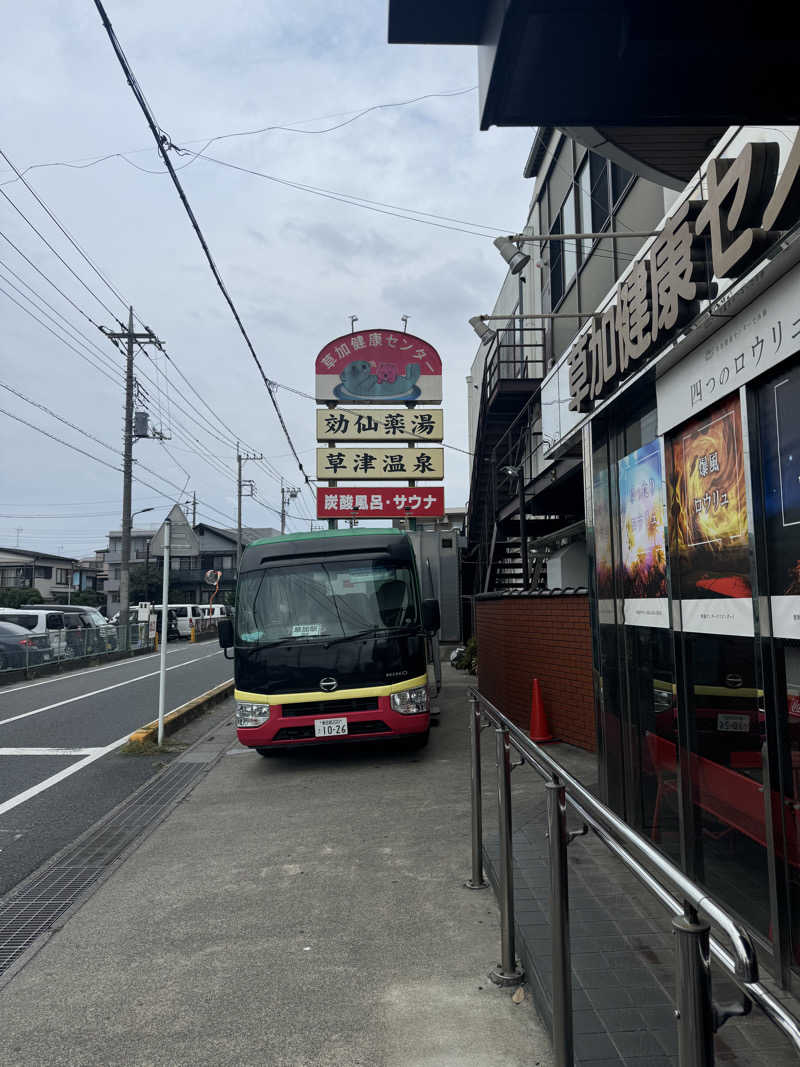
[{"x": 363, "y": 439}]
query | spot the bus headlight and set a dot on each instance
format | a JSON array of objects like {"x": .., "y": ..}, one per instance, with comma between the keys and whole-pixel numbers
[
  {"x": 411, "y": 701},
  {"x": 248, "y": 714}
]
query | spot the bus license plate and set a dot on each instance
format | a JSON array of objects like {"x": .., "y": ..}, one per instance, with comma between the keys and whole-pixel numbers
[
  {"x": 330, "y": 727},
  {"x": 739, "y": 724}
]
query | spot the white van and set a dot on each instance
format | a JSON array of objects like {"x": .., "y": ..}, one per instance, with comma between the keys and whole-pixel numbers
[
  {"x": 188, "y": 615},
  {"x": 41, "y": 621}
]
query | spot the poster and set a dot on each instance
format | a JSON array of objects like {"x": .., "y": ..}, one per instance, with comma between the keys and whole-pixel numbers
[
  {"x": 779, "y": 404},
  {"x": 643, "y": 562},
  {"x": 707, "y": 519},
  {"x": 378, "y": 366},
  {"x": 603, "y": 558}
]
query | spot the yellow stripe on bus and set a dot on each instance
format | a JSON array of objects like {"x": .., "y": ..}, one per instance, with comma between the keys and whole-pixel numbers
[{"x": 338, "y": 694}]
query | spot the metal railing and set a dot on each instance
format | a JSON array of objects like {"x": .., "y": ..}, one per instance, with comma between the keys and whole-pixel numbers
[
  {"x": 697, "y": 1017},
  {"x": 34, "y": 650}
]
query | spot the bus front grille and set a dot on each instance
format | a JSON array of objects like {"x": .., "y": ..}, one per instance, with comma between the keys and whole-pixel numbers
[{"x": 329, "y": 707}]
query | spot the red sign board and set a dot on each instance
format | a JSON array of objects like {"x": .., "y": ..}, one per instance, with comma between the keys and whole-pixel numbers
[
  {"x": 389, "y": 503},
  {"x": 379, "y": 366}
]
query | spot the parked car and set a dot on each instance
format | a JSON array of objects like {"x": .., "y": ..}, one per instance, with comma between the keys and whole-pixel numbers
[
  {"x": 21, "y": 648},
  {"x": 42, "y": 621},
  {"x": 99, "y": 635}
]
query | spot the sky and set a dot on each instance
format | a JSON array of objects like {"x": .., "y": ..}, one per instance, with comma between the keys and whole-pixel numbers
[{"x": 297, "y": 265}]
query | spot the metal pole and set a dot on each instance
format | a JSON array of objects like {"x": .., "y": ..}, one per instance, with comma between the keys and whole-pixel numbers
[
  {"x": 559, "y": 923},
  {"x": 162, "y": 666},
  {"x": 523, "y": 529},
  {"x": 694, "y": 1013},
  {"x": 477, "y": 881},
  {"x": 238, "y": 509},
  {"x": 127, "y": 473},
  {"x": 506, "y": 972}
]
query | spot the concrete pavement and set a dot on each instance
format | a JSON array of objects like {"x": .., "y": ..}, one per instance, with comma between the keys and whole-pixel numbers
[{"x": 296, "y": 911}]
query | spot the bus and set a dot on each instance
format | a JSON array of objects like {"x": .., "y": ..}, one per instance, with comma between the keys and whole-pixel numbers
[{"x": 329, "y": 639}]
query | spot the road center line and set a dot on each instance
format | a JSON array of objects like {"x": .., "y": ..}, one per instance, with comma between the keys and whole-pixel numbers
[
  {"x": 54, "y": 779},
  {"x": 67, "y": 676},
  {"x": 48, "y": 751},
  {"x": 106, "y": 689}
]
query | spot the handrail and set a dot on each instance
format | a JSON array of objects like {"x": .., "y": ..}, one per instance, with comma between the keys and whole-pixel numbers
[{"x": 641, "y": 858}]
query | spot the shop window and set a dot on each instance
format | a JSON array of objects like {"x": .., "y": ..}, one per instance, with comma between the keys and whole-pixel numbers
[
  {"x": 570, "y": 248},
  {"x": 724, "y": 722},
  {"x": 598, "y": 177},
  {"x": 583, "y": 189},
  {"x": 620, "y": 179}
]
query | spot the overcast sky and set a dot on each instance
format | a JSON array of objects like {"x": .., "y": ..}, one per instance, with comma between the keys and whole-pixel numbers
[{"x": 296, "y": 264}]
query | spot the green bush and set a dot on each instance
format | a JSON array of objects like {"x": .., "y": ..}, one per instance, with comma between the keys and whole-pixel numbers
[
  {"x": 15, "y": 598},
  {"x": 468, "y": 660}
]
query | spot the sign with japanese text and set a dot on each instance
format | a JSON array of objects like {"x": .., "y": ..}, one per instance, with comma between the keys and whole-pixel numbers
[
  {"x": 643, "y": 519},
  {"x": 708, "y": 523},
  {"x": 373, "y": 503},
  {"x": 376, "y": 464},
  {"x": 756, "y": 340},
  {"x": 379, "y": 424},
  {"x": 747, "y": 208},
  {"x": 379, "y": 366}
]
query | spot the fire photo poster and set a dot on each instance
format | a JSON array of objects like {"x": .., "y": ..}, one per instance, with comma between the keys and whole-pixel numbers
[
  {"x": 643, "y": 561},
  {"x": 707, "y": 519},
  {"x": 779, "y": 412}
]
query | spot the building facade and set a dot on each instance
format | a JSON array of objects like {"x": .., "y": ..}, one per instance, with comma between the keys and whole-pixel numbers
[{"x": 28, "y": 569}]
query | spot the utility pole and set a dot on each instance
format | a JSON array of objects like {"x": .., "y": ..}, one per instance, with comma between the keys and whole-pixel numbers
[
  {"x": 242, "y": 457},
  {"x": 162, "y": 663},
  {"x": 131, "y": 338},
  {"x": 287, "y": 494},
  {"x": 194, "y": 509}
]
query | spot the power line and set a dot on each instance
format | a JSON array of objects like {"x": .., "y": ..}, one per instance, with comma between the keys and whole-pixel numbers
[{"x": 163, "y": 141}]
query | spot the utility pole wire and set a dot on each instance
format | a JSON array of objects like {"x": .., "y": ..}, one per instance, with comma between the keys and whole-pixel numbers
[{"x": 163, "y": 143}]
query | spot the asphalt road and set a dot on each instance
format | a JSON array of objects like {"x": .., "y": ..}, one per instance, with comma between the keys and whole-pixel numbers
[{"x": 60, "y": 770}]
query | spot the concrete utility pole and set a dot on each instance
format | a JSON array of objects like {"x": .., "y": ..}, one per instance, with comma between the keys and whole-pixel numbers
[
  {"x": 287, "y": 494},
  {"x": 131, "y": 338},
  {"x": 194, "y": 509},
  {"x": 162, "y": 662},
  {"x": 250, "y": 484}
]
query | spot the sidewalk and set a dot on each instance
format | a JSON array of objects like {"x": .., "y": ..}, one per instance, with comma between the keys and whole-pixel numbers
[{"x": 302, "y": 910}]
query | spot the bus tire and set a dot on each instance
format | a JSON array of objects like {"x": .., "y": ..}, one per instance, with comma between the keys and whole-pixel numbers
[{"x": 417, "y": 741}]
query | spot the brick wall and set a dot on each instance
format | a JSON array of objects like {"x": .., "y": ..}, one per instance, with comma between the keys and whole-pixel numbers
[{"x": 525, "y": 637}]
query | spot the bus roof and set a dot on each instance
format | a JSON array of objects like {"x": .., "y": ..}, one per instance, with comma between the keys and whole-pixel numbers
[{"x": 318, "y": 535}]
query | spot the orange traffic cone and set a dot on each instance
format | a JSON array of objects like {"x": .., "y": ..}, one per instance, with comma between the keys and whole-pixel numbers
[{"x": 539, "y": 731}]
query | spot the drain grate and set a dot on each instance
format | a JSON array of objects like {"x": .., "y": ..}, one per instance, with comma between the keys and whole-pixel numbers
[{"x": 40, "y": 904}]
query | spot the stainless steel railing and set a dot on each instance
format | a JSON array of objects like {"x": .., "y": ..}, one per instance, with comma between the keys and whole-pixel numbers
[{"x": 697, "y": 1018}]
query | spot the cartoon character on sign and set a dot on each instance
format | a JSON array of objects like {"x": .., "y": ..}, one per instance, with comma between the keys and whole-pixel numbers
[{"x": 360, "y": 381}]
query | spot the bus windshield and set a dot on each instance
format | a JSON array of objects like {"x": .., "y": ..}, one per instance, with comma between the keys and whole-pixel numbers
[{"x": 324, "y": 600}]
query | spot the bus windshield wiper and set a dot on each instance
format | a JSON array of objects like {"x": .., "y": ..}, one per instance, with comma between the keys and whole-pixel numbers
[{"x": 372, "y": 632}]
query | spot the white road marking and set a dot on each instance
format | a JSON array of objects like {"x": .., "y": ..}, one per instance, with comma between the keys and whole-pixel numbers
[
  {"x": 54, "y": 779},
  {"x": 89, "y": 670},
  {"x": 48, "y": 751},
  {"x": 106, "y": 689}
]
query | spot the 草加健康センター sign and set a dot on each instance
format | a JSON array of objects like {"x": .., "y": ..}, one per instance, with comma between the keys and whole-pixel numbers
[{"x": 378, "y": 366}]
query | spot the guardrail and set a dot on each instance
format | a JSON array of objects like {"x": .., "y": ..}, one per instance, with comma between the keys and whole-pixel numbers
[{"x": 697, "y": 1017}]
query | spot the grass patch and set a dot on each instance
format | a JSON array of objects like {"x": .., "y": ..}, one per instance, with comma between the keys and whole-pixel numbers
[{"x": 151, "y": 748}]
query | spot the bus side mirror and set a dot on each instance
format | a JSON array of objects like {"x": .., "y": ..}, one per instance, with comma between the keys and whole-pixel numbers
[
  {"x": 225, "y": 633},
  {"x": 431, "y": 621}
]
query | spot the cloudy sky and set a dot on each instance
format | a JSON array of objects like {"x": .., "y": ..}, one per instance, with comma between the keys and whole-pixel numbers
[{"x": 296, "y": 264}]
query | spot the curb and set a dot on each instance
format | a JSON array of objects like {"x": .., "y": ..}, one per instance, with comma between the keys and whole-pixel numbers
[{"x": 184, "y": 713}]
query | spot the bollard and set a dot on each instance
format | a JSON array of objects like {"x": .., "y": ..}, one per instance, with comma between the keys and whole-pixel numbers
[
  {"x": 192, "y": 633},
  {"x": 694, "y": 1013},
  {"x": 559, "y": 923},
  {"x": 506, "y": 972},
  {"x": 155, "y": 636},
  {"x": 477, "y": 881}
]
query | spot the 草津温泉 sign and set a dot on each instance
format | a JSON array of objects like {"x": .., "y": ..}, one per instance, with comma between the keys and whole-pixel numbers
[
  {"x": 379, "y": 424},
  {"x": 375, "y": 464},
  {"x": 400, "y": 503},
  {"x": 376, "y": 366},
  {"x": 746, "y": 209}
]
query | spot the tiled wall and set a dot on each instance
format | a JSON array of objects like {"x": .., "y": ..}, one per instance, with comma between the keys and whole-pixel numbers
[{"x": 546, "y": 637}]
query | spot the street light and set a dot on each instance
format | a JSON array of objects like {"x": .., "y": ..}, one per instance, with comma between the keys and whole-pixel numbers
[
  {"x": 512, "y": 254},
  {"x": 483, "y": 331},
  {"x": 519, "y": 474}
]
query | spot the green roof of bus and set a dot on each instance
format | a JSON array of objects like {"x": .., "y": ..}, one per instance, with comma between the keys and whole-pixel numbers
[{"x": 321, "y": 534}]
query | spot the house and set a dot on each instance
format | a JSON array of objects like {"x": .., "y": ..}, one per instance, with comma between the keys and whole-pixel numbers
[{"x": 22, "y": 568}]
